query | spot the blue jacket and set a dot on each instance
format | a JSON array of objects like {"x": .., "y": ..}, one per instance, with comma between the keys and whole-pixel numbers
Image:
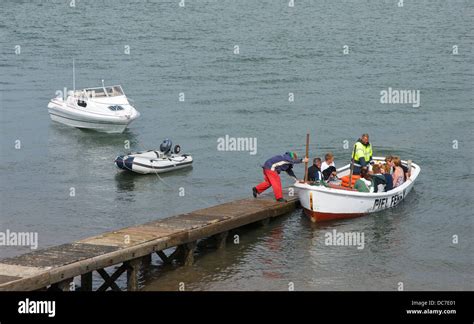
[
  {"x": 389, "y": 180},
  {"x": 314, "y": 174},
  {"x": 281, "y": 163}
]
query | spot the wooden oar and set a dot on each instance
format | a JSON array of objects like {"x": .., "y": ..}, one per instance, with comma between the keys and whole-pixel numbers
[
  {"x": 352, "y": 166},
  {"x": 306, "y": 163}
]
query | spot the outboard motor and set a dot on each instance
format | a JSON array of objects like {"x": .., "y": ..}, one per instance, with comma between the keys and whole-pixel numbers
[{"x": 165, "y": 147}]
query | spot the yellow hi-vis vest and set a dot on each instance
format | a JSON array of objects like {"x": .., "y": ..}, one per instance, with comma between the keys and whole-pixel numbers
[{"x": 362, "y": 151}]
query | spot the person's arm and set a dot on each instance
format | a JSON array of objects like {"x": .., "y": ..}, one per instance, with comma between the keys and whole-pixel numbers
[
  {"x": 291, "y": 173},
  {"x": 362, "y": 162},
  {"x": 295, "y": 161}
]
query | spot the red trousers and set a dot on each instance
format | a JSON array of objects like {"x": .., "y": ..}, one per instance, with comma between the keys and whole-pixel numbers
[{"x": 271, "y": 179}]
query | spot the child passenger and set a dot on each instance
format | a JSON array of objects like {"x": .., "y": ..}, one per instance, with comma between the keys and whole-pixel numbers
[{"x": 328, "y": 167}]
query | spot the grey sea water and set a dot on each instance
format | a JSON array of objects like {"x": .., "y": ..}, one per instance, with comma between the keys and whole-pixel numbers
[{"x": 282, "y": 50}]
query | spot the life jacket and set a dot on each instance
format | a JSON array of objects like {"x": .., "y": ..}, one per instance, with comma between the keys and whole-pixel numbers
[{"x": 362, "y": 151}]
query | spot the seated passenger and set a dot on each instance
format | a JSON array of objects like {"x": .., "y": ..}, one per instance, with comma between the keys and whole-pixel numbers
[
  {"x": 378, "y": 179},
  {"x": 398, "y": 175},
  {"x": 364, "y": 184},
  {"x": 389, "y": 162},
  {"x": 314, "y": 171},
  {"x": 406, "y": 171},
  {"x": 388, "y": 177},
  {"x": 328, "y": 167}
]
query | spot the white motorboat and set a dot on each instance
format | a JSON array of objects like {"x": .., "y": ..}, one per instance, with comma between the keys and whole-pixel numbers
[
  {"x": 322, "y": 203},
  {"x": 155, "y": 161},
  {"x": 103, "y": 109}
]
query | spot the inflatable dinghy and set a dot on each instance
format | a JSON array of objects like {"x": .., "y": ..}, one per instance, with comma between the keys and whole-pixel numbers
[{"x": 163, "y": 160}]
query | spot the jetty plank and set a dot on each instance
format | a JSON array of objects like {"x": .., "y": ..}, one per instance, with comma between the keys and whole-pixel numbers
[{"x": 58, "y": 265}]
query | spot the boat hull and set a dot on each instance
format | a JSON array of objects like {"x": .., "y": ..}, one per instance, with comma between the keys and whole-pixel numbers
[
  {"x": 323, "y": 204},
  {"x": 321, "y": 217},
  {"x": 73, "y": 117},
  {"x": 103, "y": 127},
  {"x": 145, "y": 163}
]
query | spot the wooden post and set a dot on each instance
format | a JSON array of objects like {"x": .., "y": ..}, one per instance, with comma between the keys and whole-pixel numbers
[
  {"x": 306, "y": 164},
  {"x": 184, "y": 253},
  {"x": 188, "y": 255},
  {"x": 146, "y": 260},
  {"x": 86, "y": 281},
  {"x": 352, "y": 166},
  {"x": 64, "y": 285},
  {"x": 221, "y": 239},
  {"x": 132, "y": 274}
]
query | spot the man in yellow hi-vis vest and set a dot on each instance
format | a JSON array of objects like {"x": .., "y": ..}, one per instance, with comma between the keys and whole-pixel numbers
[{"x": 362, "y": 153}]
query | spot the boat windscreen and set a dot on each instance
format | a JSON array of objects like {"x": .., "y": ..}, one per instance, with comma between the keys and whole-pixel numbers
[
  {"x": 96, "y": 93},
  {"x": 112, "y": 91}
]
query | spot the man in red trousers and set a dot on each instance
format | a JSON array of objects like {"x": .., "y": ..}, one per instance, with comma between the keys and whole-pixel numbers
[{"x": 271, "y": 173}]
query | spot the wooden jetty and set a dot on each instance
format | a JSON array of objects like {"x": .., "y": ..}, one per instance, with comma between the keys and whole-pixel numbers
[{"x": 131, "y": 248}]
